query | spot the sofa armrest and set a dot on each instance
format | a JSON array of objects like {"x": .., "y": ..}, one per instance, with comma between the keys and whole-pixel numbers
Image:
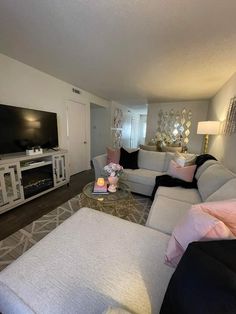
[{"x": 99, "y": 163}]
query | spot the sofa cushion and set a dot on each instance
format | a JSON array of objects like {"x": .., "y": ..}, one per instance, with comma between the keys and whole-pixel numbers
[
  {"x": 173, "y": 156},
  {"x": 99, "y": 162},
  {"x": 184, "y": 159},
  {"x": 191, "y": 196},
  {"x": 169, "y": 157},
  {"x": 90, "y": 262},
  {"x": 212, "y": 179},
  {"x": 225, "y": 211},
  {"x": 11, "y": 303},
  {"x": 196, "y": 225},
  {"x": 151, "y": 160},
  {"x": 143, "y": 176},
  {"x": 129, "y": 160},
  {"x": 113, "y": 155},
  {"x": 184, "y": 173},
  {"x": 204, "y": 281},
  {"x": 225, "y": 192},
  {"x": 203, "y": 167},
  {"x": 165, "y": 213}
]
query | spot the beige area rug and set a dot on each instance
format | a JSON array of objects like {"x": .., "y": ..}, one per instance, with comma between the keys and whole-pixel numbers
[{"x": 19, "y": 242}]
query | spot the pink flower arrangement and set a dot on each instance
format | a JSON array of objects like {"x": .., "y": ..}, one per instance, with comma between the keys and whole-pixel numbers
[{"x": 113, "y": 170}]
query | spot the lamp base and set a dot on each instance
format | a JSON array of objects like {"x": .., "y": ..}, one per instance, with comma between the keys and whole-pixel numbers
[{"x": 206, "y": 141}]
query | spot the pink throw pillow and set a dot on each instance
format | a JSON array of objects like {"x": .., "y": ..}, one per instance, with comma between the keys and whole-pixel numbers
[
  {"x": 113, "y": 155},
  {"x": 183, "y": 173},
  {"x": 197, "y": 225},
  {"x": 222, "y": 210}
]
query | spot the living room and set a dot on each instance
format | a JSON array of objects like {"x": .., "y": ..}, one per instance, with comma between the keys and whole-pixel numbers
[{"x": 116, "y": 74}]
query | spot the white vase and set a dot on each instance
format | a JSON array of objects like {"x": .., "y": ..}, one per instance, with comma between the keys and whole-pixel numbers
[
  {"x": 113, "y": 180},
  {"x": 112, "y": 188}
]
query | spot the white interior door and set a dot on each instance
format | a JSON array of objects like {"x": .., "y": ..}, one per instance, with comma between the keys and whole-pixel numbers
[{"x": 77, "y": 137}]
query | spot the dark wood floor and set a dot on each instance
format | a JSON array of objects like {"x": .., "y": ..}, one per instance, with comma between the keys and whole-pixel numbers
[{"x": 23, "y": 215}]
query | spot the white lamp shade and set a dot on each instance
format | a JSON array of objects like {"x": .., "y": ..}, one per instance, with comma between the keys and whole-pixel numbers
[{"x": 208, "y": 127}]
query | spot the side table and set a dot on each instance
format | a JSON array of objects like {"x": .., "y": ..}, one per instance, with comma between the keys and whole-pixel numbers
[{"x": 117, "y": 203}]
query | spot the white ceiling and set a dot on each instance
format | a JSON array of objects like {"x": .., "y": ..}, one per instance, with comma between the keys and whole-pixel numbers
[{"x": 131, "y": 51}]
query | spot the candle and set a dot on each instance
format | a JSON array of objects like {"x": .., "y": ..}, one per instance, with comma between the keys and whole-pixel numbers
[{"x": 100, "y": 181}]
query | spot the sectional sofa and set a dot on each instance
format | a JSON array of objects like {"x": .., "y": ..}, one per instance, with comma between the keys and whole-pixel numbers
[
  {"x": 214, "y": 181},
  {"x": 94, "y": 261},
  {"x": 142, "y": 180}
]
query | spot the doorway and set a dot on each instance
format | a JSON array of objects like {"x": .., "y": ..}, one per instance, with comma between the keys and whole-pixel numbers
[
  {"x": 77, "y": 137},
  {"x": 130, "y": 130},
  {"x": 100, "y": 129}
]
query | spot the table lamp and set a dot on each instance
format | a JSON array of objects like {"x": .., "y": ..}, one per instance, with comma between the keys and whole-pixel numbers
[{"x": 208, "y": 128}]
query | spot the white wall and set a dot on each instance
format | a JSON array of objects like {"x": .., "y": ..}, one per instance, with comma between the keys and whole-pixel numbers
[
  {"x": 223, "y": 147},
  {"x": 24, "y": 86},
  {"x": 100, "y": 129},
  {"x": 199, "y": 110}
]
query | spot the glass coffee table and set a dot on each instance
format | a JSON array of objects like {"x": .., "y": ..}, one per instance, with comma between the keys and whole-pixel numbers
[{"x": 117, "y": 203}]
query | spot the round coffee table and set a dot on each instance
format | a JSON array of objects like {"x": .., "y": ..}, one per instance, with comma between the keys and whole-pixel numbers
[{"x": 117, "y": 203}]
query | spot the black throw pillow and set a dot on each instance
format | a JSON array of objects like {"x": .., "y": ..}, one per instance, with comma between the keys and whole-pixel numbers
[
  {"x": 204, "y": 280},
  {"x": 129, "y": 160}
]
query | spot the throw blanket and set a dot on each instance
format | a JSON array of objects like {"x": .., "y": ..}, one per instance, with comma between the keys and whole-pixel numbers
[
  {"x": 166, "y": 180},
  {"x": 204, "y": 280}
]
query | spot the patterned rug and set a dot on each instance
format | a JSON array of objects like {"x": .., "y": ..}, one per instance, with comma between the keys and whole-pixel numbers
[{"x": 19, "y": 242}]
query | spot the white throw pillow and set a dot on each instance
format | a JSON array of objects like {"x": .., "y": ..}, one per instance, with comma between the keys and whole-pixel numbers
[{"x": 185, "y": 159}]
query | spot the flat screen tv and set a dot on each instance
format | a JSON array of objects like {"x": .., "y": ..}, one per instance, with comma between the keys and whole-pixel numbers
[{"x": 22, "y": 128}]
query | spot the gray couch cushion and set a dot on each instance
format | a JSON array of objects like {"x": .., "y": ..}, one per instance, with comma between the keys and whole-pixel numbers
[
  {"x": 91, "y": 261},
  {"x": 165, "y": 213},
  {"x": 151, "y": 160},
  {"x": 225, "y": 192},
  {"x": 140, "y": 188},
  {"x": 143, "y": 176},
  {"x": 11, "y": 303},
  {"x": 169, "y": 157},
  {"x": 191, "y": 196},
  {"x": 212, "y": 179},
  {"x": 99, "y": 162},
  {"x": 206, "y": 164}
]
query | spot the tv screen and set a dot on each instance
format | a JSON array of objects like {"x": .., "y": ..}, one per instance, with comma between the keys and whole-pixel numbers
[{"x": 22, "y": 128}]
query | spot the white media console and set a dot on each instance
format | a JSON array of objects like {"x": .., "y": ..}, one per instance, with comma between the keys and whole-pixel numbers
[{"x": 23, "y": 178}]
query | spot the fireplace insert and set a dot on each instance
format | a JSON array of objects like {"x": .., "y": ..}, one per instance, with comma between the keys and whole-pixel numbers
[{"x": 37, "y": 180}]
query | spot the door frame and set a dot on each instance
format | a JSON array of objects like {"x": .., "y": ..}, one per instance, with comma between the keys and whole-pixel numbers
[{"x": 87, "y": 129}]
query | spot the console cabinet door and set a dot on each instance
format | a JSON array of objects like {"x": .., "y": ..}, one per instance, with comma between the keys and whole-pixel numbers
[
  {"x": 59, "y": 169},
  {"x": 11, "y": 190}
]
